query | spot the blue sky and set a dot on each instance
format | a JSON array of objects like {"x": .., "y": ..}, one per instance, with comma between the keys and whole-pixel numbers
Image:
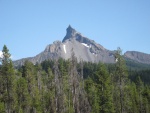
[{"x": 28, "y": 26}]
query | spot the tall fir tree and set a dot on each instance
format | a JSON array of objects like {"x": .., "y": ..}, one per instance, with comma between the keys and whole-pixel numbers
[
  {"x": 7, "y": 77},
  {"x": 140, "y": 89},
  {"x": 121, "y": 77},
  {"x": 92, "y": 93},
  {"x": 23, "y": 100},
  {"x": 29, "y": 73},
  {"x": 103, "y": 83}
]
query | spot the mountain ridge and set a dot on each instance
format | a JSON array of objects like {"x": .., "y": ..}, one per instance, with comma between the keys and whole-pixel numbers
[
  {"x": 138, "y": 56},
  {"x": 84, "y": 48}
]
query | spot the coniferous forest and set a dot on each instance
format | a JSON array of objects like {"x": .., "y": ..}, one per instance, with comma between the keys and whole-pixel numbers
[{"x": 68, "y": 86}]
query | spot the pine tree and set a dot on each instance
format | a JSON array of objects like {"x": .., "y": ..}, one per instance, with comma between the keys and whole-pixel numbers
[
  {"x": 7, "y": 77},
  {"x": 146, "y": 98},
  {"x": 2, "y": 106},
  {"x": 92, "y": 93},
  {"x": 49, "y": 95},
  {"x": 140, "y": 89},
  {"x": 23, "y": 100},
  {"x": 80, "y": 103},
  {"x": 29, "y": 73},
  {"x": 121, "y": 77},
  {"x": 104, "y": 86},
  {"x": 132, "y": 99},
  {"x": 63, "y": 66}
]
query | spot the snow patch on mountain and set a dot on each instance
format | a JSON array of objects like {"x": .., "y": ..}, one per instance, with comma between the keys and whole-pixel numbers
[
  {"x": 85, "y": 45},
  {"x": 65, "y": 49}
]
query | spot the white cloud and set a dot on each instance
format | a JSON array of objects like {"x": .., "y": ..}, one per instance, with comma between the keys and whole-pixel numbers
[{"x": 1, "y": 54}]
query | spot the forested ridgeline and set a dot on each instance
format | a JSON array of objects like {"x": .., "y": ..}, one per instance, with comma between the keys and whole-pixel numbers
[{"x": 65, "y": 86}]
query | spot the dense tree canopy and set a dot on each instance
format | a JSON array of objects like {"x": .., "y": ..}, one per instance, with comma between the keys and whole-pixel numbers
[{"x": 66, "y": 86}]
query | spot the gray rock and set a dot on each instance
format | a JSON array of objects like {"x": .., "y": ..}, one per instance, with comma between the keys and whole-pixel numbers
[
  {"x": 138, "y": 57},
  {"x": 84, "y": 49}
]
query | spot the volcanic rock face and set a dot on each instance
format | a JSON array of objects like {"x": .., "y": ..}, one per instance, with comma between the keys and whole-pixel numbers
[
  {"x": 138, "y": 56},
  {"x": 84, "y": 49},
  {"x": 70, "y": 33}
]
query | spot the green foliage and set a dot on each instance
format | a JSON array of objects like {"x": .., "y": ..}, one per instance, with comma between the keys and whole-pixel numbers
[
  {"x": 132, "y": 65},
  {"x": 2, "y": 107},
  {"x": 7, "y": 80},
  {"x": 23, "y": 99},
  {"x": 104, "y": 90},
  {"x": 92, "y": 92},
  {"x": 120, "y": 80},
  {"x": 65, "y": 86}
]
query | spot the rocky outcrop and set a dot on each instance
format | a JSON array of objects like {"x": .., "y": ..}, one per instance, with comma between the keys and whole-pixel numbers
[
  {"x": 71, "y": 33},
  {"x": 84, "y": 49},
  {"x": 138, "y": 57}
]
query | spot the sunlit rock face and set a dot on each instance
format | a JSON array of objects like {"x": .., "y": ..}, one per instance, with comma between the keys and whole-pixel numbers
[
  {"x": 84, "y": 48},
  {"x": 138, "y": 56}
]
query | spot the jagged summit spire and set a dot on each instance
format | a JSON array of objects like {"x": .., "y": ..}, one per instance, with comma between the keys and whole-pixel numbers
[
  {"x": 70, "y": 33},
  {"x": 70, "y": 28}
]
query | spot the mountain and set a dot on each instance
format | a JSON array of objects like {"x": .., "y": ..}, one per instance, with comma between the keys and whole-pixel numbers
[
  {"x": 84, "y": 48},
  {"x": 138, "y": 57}
]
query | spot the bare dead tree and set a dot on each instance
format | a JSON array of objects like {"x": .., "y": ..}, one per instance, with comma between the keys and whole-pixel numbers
[
  {"x": 58, "y": 89},
  {"x": 80, "y": 102}
]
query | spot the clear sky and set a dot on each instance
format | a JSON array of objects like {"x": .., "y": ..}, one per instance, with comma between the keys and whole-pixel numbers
[{"x": 28, "y": 26}]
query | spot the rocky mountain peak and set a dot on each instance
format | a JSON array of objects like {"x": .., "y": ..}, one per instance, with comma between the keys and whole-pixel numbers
[
  {"x": 84, "y": 48},
  {"x": 71, "y": 32}
]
